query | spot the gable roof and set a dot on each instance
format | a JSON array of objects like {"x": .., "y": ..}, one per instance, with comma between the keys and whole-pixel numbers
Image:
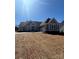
[
  {"x": 53, "y": 21},
  {"x": 33, "y": 22},
  {"x": 47, "y": 20}
]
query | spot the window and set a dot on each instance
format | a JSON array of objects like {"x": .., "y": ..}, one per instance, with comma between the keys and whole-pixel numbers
[{"x": 49, "y": 27}]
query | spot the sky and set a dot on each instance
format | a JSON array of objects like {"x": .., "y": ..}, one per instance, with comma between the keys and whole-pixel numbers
[{"x": 38, "y": 10}]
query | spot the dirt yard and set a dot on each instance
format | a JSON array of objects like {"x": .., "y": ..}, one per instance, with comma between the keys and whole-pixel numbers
[{"x": 37, "y": 45}]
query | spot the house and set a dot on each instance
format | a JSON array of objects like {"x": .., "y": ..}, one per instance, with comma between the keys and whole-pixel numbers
[
  {"x": 30, "y": 26},
  {"x": 62, "y": 27},
  {"x": 50, "y": 25}
]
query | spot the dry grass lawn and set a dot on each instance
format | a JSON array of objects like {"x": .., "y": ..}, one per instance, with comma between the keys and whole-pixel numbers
[{"x": 38, "y": 45}]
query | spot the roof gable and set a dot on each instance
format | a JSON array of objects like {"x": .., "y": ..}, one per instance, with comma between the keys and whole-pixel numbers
[
  {"x": 53, "y": 21},
  {"x": 47, "y": 20}
]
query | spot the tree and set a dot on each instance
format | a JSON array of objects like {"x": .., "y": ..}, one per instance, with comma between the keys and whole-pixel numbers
[{"x": 16, "y": 28}]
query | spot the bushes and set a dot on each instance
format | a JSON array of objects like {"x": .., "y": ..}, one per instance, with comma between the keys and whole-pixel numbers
[{"x": 55, "y": 32}]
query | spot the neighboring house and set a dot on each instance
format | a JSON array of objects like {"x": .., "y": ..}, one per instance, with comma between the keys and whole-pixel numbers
[
  {"x": 30, "y": 26},
  {"x": 62, "y": 27},
  {"x": 50, "y": 25}
]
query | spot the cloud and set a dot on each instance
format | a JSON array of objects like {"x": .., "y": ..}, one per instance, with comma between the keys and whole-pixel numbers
[{"x": 46, "y": 2}]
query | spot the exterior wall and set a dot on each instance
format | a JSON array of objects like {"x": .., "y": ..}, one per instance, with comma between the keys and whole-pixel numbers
[
  {"x": 51, "y": 27},
  {"x": 28, "y": 27},
  {"x": 43, "y": 29}
]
